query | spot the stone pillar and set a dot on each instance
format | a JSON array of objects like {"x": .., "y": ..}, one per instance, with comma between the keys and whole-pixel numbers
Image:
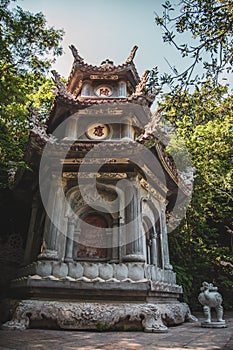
[
  {"x": 31, "y": 231},
  {"x": 70, "y": 240},
  {"x": 115, "y": 241},
  {"x": 165, "y": 249},
  {"x": 76, "y": 241},
  {"x": 153, "y": 255},
  {"x": 121, "y": 234},
  {"x": 71, "y": 129},
  {"x": 127, "y": 131},
  {"x": 49, "y": 249},
  {"x": 134, "y": 249}
]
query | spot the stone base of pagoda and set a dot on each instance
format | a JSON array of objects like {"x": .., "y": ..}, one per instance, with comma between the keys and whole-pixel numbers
[
  {"x": 95, "y": 296},
  {"x": 98, "y": 271},
  {"x": 97, "y": 316}
]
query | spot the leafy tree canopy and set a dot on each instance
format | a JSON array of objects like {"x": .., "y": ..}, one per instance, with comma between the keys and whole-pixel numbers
[
  {"x": 26, "y": 42},
  {"x": 28, "y": 48}
]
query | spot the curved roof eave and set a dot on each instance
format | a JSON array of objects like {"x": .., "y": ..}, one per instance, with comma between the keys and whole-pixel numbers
[{"x": 79, "y": 68}]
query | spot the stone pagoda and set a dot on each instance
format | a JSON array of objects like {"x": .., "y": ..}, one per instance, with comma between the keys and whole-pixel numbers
[{"x": 96, "y": 254}]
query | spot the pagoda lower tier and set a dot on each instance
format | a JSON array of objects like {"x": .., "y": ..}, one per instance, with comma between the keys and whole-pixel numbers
[{"x": 96, "y": 296}]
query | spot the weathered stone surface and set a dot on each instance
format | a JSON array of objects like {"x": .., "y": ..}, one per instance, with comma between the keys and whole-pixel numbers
[
  {"x": 60, "y": 269},
  {"x": 44, "y": 268},
  {"x": 98, "y": 316},
  {"x": 210, "y": 298},
  {"x": 87, "y": 316},
  {"x": 75, "y": 270},
  {"x": 120, "y": 272},
  {"x": 176, "y": 313},
  {"x": 91, "y": 270},
  {"x": 136, "y": 272},
  {"x": 106, "y": 271}
]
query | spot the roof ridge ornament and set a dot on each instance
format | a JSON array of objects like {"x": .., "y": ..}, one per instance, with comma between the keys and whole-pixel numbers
[
  {"x": 107, "y": 63},
  {"x": 140, "y": 87},
  {"x": 37, "y": 126},
  {"x": 75, "y": 54},
  {"x": 132, "y": 54},
  {"x": 61, "y": 88}
]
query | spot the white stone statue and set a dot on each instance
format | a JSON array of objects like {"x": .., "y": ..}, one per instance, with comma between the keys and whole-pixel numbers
[{"x": 210, "y": 298}]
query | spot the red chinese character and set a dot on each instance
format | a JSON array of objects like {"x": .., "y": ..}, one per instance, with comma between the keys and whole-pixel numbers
[
  {"x": 98, "y": 131},
  {"x": 104, "y": 91}
]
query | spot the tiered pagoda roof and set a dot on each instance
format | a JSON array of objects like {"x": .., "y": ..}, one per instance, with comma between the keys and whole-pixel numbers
[
  {"x": 68, "y": 96},
  {"x": 68, "y": 101},
  {"x": 81, "y": 70}
]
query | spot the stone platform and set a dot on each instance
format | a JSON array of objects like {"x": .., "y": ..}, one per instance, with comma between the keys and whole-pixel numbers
[
  {"x": 93, "y": 296},
  {"x": 151, "y": 318}
]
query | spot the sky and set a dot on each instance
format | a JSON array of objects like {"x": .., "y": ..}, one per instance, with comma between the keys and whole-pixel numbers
[{"x": 102, "y": 29}]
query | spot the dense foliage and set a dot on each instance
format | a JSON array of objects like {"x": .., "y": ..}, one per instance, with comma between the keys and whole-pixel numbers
[
  {"x": 201, "y": 109},
  {"x": 28, "y": 48},
  {"x": 201, "y": 246}
]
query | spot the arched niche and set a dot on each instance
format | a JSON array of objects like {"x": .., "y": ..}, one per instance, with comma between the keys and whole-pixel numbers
[
  {"x": 100, "y": 194},
  {"x": 93, "y": 226},
  {"x": 153, "y": 234},
  {"x": 149, "y": 236},
  {"x": 92, "y": 236}
]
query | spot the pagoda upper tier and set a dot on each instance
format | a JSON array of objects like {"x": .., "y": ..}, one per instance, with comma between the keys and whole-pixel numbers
[
  {"x": 107, "y": 70},
  {"x": 89, "y": 85}
]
